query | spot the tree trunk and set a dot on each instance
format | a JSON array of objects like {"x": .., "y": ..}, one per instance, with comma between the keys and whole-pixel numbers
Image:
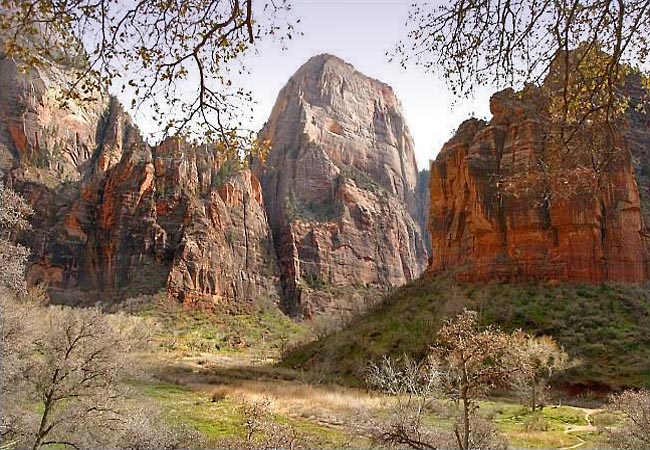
[
  {"x": 534, "y": 399},
  {"x": 466, "y": 429},
  {"x": 43, "y": 425}
]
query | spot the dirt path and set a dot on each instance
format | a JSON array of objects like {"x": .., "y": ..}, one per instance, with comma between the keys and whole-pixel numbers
[{"x": 581, "y": 428}]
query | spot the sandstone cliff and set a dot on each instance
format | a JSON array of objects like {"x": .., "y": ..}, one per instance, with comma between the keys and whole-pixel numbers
[
  {"x": 482, "y": 231},
  {"x": 116, "y": 215},
  {"x": 226, "y": 251},
  {"x": 340, "y": 189},
  {"x": 340, "y": 185}
]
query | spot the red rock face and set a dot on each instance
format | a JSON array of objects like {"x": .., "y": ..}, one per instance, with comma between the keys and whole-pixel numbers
[
  {"x": 481, "y": 232},
  {"x": 36, "y": 131},
  {"x": 226, "y": 251},
  {"x": 340, "y": 186},
  {"x": 118, "y": 216}
]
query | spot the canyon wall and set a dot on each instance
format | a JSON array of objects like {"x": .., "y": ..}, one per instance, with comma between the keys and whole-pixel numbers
[
  {"x": 340, "y": 185},
  {"x": 116, "y": 215},
  {"x": 483, "y": 228}
]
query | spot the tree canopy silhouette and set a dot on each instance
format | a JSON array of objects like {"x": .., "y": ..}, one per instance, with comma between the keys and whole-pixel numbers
[
  {"x": 580, "y": 54},
  {"x": 177, "y": 58}
]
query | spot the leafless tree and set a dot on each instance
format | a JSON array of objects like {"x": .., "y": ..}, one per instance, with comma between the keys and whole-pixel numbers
[
  {"x": 14, "y": 212},
  {"x": 413, "y": 385},
  {"x": 63, "y": 377},
  {"x": 157, "y": 51},
  {"x": 543, "y": 358},
  {"x": 466, "y": 362},
  {"x": 264, "y": 432},
  {"x": 473, "y": 360},
  {"x": 634, "y": 434}
]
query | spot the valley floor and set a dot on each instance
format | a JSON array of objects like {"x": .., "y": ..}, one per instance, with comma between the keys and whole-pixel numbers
[{"x": 209, "y": 386}]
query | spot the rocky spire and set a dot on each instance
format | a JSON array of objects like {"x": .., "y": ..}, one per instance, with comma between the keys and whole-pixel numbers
[{"x": 340, "y": 183}]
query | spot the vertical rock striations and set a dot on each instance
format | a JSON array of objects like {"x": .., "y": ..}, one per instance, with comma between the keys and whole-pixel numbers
[
  {"x": 118, "y": 216},
  {"x": 340, "y": 189},
  {"x": 484, "y": 232},
  {"x": 226, "y": 250},
  {"x": 340, "y": 185}
]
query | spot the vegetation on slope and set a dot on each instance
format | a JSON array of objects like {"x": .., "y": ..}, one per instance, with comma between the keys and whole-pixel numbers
[
  {"x": 206, "y": 328},
  {"x": 205, "y": 388},
  {"x": 604, "y": 326}
]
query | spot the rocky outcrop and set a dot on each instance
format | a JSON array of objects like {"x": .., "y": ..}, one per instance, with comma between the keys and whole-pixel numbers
[
  {"x": 116, "y": 215},
  {"x": 37, "y": 132},
  {"x": 226, "y": 251},
  {"x": 340, "y": 185},
  {"x": 482, "y": 231}
]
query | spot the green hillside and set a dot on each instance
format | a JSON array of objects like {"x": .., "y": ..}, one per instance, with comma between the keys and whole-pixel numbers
[{"x": 607, "y": 327}]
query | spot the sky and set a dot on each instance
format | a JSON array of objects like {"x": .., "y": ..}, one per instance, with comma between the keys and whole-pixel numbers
[{"x": 361, "y": 32}]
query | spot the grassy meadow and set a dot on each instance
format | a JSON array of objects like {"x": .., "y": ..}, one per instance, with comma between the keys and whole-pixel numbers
[{"x": 209, "y": 365}]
